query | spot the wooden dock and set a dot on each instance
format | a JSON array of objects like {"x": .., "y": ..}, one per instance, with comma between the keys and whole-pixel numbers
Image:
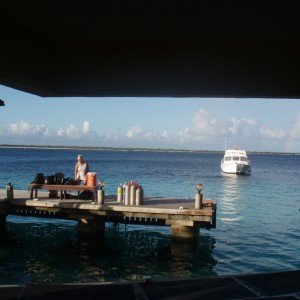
[{"x": 180, "y": 214}]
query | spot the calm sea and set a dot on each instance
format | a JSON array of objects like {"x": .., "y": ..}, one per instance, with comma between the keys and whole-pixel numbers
[{"x": 257, "y": 219}]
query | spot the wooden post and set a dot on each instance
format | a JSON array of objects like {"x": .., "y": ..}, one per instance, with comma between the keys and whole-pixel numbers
[
  {"x": 9, "y": 192},
  {"x": 182, "y": 233},
  {"x": 100, "y": 197},
  {"x": 198, "y": 201},
  {"x": 91, "y": 228}
]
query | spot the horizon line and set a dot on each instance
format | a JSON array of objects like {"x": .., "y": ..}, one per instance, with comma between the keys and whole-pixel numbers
[{"x": 134, "y": 149}]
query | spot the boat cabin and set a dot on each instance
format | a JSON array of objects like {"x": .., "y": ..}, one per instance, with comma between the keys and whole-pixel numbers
[{"x": 235, "y": 155}]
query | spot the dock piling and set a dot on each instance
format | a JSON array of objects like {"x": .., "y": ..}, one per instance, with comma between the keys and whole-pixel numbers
[
  {"x": 187, "y": 234},
  {"x": 91, "y": 227}
]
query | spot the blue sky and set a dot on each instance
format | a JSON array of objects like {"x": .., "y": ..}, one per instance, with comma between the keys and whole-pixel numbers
[{"x": 176, "y": 123}]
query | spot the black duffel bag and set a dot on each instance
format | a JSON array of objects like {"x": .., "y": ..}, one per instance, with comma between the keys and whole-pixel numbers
[
  {"x": 59, "y": 178},
  {"x": 70, "y": 181},
  {"x": 49, "y": 179}
]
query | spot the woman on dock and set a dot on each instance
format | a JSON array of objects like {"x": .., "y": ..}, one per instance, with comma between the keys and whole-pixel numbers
[{"x": 81, "y": 169}]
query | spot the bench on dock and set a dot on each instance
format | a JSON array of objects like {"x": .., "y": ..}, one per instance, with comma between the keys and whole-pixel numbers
[{"x": 62, "y": 188}]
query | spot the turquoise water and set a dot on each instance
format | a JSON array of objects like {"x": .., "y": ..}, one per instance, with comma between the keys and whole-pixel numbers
[{"x": 257, "y": 219}]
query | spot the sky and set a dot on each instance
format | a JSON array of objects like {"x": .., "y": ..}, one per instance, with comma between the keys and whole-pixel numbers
[{"x": 165, "y": 123}]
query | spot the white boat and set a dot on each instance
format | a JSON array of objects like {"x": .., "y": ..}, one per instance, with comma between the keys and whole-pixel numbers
[{"x": 236, "y": 162}]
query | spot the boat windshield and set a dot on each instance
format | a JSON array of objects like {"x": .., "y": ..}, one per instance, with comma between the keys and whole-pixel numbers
[
  {"x": 227, "y": 158},
  {"x": 243, "y": 158},
  {"x": 235, "y": 158}
]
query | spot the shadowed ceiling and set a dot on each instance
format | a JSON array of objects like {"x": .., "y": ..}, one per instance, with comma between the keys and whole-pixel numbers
[{"x": 151, "y": 49}]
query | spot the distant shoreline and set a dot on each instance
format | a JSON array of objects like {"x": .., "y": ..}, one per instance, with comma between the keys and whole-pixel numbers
[{"x": 135, "y": 149}]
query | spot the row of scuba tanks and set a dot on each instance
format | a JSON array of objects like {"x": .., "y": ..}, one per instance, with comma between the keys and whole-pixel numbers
[{"x": 130, "y": 193}]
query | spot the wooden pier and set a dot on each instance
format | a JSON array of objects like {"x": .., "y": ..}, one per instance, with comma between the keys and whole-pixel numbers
[{"x": 180, "y": 214}]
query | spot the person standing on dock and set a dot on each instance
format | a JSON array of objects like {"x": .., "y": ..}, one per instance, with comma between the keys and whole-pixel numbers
[{"x": 81, "y": 169}]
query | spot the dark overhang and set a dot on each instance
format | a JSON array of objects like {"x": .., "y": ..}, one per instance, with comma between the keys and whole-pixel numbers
[{"x": 151, "y": 48}]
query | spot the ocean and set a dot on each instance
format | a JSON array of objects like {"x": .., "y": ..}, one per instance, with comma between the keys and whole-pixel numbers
[{"x": 257, "y": 219}]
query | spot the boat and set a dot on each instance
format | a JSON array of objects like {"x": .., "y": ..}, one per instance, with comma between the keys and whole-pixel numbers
[{"x": 236, "y": 162}]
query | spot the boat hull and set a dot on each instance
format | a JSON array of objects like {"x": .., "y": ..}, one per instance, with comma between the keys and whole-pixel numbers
[{"x": 236, "y": 168}]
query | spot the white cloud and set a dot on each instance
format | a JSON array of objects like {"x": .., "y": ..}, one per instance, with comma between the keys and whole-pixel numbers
[
  {"x": 74, "y": 132},
  {"x": 277, "y": 134},
  {"x": 165, "y": 136},
  {"x": 242, "y": 127},
  {"x": 206, "y": 125},
  {"x": 86, "y": 128},
  {"x": 206, "y": 131},
  {"x": 47, "y": 132},
  {"x": 25, "y": 129},
  {"x": 70, "y": 132},
  {"x": 189, "y": 134},
  {"x": 36, "y": 132},
  {"x": 134, "y": 131},
  {"x": 294, "y": 133},
  {"x": 150, "y": 135},
  {"x": 111, "y": 137},
  {"x": 25, "y": 133}
]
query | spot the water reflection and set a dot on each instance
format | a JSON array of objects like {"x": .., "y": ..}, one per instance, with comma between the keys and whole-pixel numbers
[
  {"x": 231, "y": 201},
  {"x": 53, "y": 253},
  {"x": 142, "y": 252}
]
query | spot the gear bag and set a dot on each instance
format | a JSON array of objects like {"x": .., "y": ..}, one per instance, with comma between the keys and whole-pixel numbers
[
  {"x": 39, "y": 178},
  {"x": 59, "y": 178}
]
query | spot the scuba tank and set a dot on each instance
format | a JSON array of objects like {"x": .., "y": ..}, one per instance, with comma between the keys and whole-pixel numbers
[{"x": 120, "y": 193}]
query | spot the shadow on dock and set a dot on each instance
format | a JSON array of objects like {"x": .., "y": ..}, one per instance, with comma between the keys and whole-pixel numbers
[{"x": 280, "y": 285}]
